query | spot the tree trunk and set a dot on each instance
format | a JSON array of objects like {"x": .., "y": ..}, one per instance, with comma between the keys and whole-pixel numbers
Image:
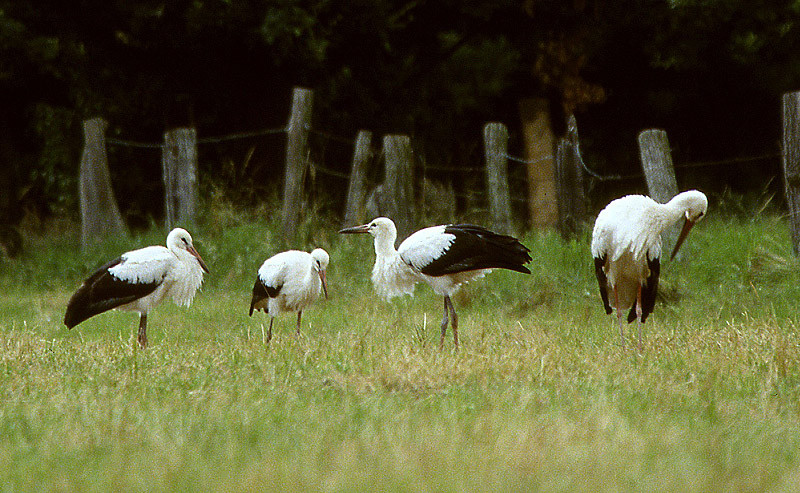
[{"x": 539, "y": 152}]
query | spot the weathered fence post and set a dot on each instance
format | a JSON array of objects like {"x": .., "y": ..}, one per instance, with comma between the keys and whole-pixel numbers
[
  {"x": 296, "y": 160},
  {"x": 495, "y": 144},
  {"x": 659, "y": 173},
  {"x": 179, "y": 172},
  {"x": 100, "y": 214},
  {"x": 791, "y": 163},
  {"x": 569, "y": 171},
  {"x": 399, "y": 182},
  {"x": 356, "y": 189}
]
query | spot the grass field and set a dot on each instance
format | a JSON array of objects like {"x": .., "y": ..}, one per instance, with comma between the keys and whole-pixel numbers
[{"x": 541, "y": 396}]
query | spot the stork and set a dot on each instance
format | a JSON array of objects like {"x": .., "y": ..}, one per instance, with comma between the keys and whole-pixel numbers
[
  {"x": 444, "y": 257},
  {"x": 139, "y": 280},
  {"x": 290, "y": 282},
  {"x": 626, "y": 246}
]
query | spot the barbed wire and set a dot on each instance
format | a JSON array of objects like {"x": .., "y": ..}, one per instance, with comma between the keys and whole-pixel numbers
[
  {"x": 131, "y": 143},
  {"x": 426, "y": 168},
  {"x": 242, "y": 135}
]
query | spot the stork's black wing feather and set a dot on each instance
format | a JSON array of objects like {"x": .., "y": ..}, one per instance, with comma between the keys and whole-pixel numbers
[
  {"x": 102, "y": 292},
  {"x": 599, "y": 263},
  {"x": 262, "y": 292},
  {"x": 475, "y": 247}
]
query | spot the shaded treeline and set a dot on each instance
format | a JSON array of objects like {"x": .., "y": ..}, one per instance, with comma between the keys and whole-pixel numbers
[{"x": 710, "y": 73}]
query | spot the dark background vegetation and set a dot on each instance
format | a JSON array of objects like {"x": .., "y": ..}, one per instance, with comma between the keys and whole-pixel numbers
[{"x": 710, "y": 72}]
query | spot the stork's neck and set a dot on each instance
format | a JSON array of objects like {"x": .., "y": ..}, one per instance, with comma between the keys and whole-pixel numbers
[
  {"x": 384, "y": 245},
  {"x": 669, "y": 213}
]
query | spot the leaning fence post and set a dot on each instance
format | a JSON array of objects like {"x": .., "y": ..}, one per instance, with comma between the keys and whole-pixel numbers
[
  {"x": 569, "y": 172},
  {"x": 356, "y": 189},
  {"x": 179, "y": 172},
  {"x": 495, "y": 144},
  {"x": 399, "y": 182},
  {"x": 100, "y": 214},
  {"x": 791, "y": 163},
  {"x": 296, "y": 160},
  {"x": 659, "y": 172}
]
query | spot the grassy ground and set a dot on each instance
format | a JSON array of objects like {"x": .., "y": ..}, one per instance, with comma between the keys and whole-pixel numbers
[{"x": 541, "y": 396}]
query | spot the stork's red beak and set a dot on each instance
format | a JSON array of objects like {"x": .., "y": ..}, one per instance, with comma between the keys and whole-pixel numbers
[
  {"x": 199, "y": 258},
  {"x": 364, "y": 228},
  {"x": 324, "y": 279},
  {"x": 687, "y": 226}
]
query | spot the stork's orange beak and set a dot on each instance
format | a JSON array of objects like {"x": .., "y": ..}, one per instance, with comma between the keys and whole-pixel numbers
[
  {"x": 324, "y": 279},
  {"x": 203, "y": 265},
  {"x": 364, "y": 228},
  {"x": 687, "y": 226}
]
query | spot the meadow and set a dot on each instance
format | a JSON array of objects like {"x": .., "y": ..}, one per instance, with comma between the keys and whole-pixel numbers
[{"x": 540, "y": 397}]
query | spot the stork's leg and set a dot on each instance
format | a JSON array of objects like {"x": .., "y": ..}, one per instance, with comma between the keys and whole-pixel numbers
[
  {"x": 444, "y": 324},
  {"x": 639, "y": 313},
  {"x": 454, "y": 318},
  {"x": 619, "y": 317},
  {"x": 142, "y": 338},
  {"x": 269, "y": 332},
  {"x": 299, "y": 314}
]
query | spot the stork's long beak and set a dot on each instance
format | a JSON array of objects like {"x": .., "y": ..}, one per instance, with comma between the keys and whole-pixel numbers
[
  {"x": 364, "y": 228},
  {"x": 199, "y": 258},
  {"x": 687, "y": 226},
  {"x": 324, "y": 279}
]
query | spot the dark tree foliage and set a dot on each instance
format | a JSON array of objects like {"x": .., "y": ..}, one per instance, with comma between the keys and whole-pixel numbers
[{"x": 710, "y": 72}]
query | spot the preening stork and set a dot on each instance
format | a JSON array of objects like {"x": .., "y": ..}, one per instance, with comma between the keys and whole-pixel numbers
[
  {"x": 139, "y": 280},
  {"x": 444, "y": 257},
  {"x": 626, "y": 246},
  {"x": 290, "y": 282}
]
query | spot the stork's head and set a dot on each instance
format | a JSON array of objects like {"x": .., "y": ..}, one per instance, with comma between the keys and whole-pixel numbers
[
  {"x": 180, "y": 240},
  {"x": 320, "y": 265},
  {"x": 382, "y": 229},
  {"x": 694, "y": 205}
]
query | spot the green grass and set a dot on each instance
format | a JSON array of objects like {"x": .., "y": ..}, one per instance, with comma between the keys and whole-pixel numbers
[{"x": 541, "y": 396}]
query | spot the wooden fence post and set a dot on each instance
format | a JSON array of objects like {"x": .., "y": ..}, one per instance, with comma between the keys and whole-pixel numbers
[
  {"x": 296, "y": 160},
  {"x": 495, "y": 144},
  {"x": 659, "y": 173},
  {"x": 569, "y": 171},
  {"x": 791, "y": 163},
  {"x": 356, "y": 189},
  {"x": 399, "y": 182},
  {"x": 100, "y": 214},
  {"x": 179, "y": 172}
]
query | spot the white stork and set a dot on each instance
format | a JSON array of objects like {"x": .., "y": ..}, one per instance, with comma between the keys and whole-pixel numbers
[
  {"x": 139, "y": 280},
  {"x": 290, "y": 282},
  {"x": 444, "y": 257},
  {"x": 626, "y": 246}
]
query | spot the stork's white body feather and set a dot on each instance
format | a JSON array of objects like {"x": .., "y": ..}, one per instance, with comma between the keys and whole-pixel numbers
[
  {"x": 177, "y": 272},
  {"x": 292, "y": 271},
  {"x": 626, "y": 243},
  {"x": 139, "y": 280},
  {"x": 444, "y": 257},
  {"x": 396, "y": 272}
]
